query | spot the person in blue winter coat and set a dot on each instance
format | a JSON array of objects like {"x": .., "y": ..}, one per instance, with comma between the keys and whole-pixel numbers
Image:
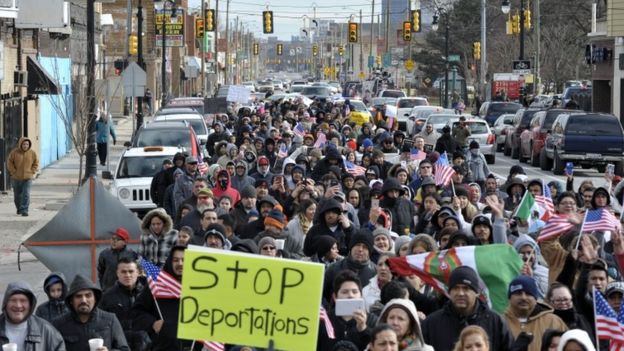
[{"x": 104, "y": 127}]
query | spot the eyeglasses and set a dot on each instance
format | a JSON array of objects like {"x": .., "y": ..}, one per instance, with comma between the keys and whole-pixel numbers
[
  {"x": 268, "y": 248},
  {"x": 561, "y": 301}
]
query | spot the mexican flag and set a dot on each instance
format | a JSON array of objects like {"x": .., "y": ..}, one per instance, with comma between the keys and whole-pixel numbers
[
  {"x": 497, "y": 265},
  {"x": 531, "y": 211}
]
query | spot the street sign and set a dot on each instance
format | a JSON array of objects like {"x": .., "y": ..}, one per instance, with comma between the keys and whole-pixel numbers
[
  {"x": 522, "y": 66},
  {"x": 361, "y": 75},
  {"x": 299, "y": 50},
  {"x": 409, "y": 65},
  {"x": 371, "y": 61},
  {"x": 174, "y": 27},
  {"x": 134, "y": 80},
  {"x": 387, "y": 59},
  {"x": 453, "y": 58},
  {"x": 409, "y": 76}
]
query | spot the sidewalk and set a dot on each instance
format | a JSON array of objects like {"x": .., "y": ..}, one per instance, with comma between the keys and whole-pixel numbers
[{"x": 51, "y": 190}]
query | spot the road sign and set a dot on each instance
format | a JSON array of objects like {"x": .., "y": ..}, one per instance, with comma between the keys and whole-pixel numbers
[
  {"x": 409, "y": 65},
  {"x": 371, "y": 61},
  {"x": 134, "y": 80},
  {"x": 174, "y": 27},
  {"x": 522, "y": 66},
  {"x": 453, "y": 58},
  {"x": 387, "y": 59},
  {"x": 361, "y": 75},
  {"x": 298, "y": 49},
  {"x": 292, "y": 52}
]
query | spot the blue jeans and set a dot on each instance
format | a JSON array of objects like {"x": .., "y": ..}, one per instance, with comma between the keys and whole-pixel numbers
[{"x": 21, "y": 194}]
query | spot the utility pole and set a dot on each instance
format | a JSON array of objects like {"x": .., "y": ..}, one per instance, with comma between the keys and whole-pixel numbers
[
  {"x": 387, "y": 25},
  {"x": 538, "y": 77},
  {"x": 227, "y": 46},
  {"x": 372, "y": 25},
  {"x": 482, "y": 77},
  {"x": 521, "y": 30},
  {"x": 91, "y": 158},
  {"x": 216, "y": 42},
  {"x": 140, "y": 62},
  {"x": 202, "y": 48},
  {"x": 361, "y": 43}
]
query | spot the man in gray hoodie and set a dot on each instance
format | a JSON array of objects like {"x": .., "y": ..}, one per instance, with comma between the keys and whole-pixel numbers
[{"x": 19, "y": 325}]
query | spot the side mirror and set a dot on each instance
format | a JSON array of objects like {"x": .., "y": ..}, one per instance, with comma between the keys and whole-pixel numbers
[
  {"x": 107, "y": 175},
  {"x": 406, "y": 115},
  {"x": 127, "y": 144}
]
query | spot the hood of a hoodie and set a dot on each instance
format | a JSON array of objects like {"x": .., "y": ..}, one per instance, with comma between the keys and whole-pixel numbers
[
  {"x": 287, "y": 161},
  {"x": 81, "y": 283},
  {"x": 229, "y": 148},
  {"x": 168, "y": 266},
  {"x": 578, "y": 335},
  {"x": 53, "y": 278},
  {"x": 167, "y": 222},
  {"x": 211, "y": 171},
  {"x": 409, "y": 307},
  {"x": 21, "y": 140},
  {"x": 229, "y": 181},
  {"x": 333, "y": 154},
  {"x": 258, "y": 166},
  {"x": 524, "y": 240},
  {"x": 244, "y": 164},
  {"x": 326, "y": 206},
  {"x": 20, "y": 287}
]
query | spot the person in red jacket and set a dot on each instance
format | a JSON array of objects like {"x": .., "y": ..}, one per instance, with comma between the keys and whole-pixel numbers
[{"x": 224, "y": 187}]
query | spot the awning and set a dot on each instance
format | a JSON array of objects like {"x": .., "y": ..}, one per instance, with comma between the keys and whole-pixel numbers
[{"x": 39, "y": 81}]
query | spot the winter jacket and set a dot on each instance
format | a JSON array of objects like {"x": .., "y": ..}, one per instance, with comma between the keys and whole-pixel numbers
[
  {"x": 478, "y": 166},
  {"x": 342, "y": 235},
  {"x": 40, "y": 334},
  {"x": 322, "y": 167},
  {"x": 158, "y": 187},
  {"x": 241, "y": 216},
  {"x": 155, "y": 248},
  {"x": 441, "y": 328},
  {"x": 53, "y": 308},
  {"x": 365, "y": 272},
  {"x": 446, "y": 143},
  {"x": 240, "y": 182},
  {"x": 461, "y": 134},
  {"x": 540, "y": 319},
  {"x": 146, "y": 312},
  {"x": 102, "y": 129},
  {"x": 371, "y": 292},
  {"x": 402, "y": 210},
  {"x": 430, "y": 138},
  {"x": 107, "y": 264},
  {"x": 183, "y": 188},
  {"x": 418, "y": 343},
  {"x": 540, "y": 273},
  {"x": 101, "y": 324},
  {"x": 22, "y": 165},
  {"x": 344, "y": 330},
  {"x": 119, "y": 300},
  {"x": 219, "y": 191}
]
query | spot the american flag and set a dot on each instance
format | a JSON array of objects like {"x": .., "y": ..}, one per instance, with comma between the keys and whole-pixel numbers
[
  {"x": 545, "y": 201},
  {"x": 443, "y": 171},
  {"x": 161, "y": 283},
  {"x": 202, "y": 167},
  {"x": 321, "y": 139},
  {"x": 609, "y": 325},
  {"x": 354, "y": 169},
  {"x": 283, "y": 151},
  {"x": 554, "y": 227},
  {"x": 299, "y": 130},
  {"x": 599, "y": 219},
  {"x": 417, "y": 155},
  {"x": 213, "y": 346},
  {"x": 327, "y": 322}
]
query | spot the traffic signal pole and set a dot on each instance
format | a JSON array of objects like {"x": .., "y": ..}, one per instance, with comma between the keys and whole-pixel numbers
[
  {"x": 521, "y": 30},
  {"x": 139, "y": 115}
]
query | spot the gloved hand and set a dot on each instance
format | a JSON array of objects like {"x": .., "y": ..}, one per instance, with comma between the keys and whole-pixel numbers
[{"x": 522, "y": 342}]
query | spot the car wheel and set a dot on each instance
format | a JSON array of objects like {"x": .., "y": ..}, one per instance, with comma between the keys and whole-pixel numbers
[
  {"x": 558, "y": 163},
  {"x": 507, "y": 150},
  {"x": 499, "y": 147},
  {"x": 515, "y": 152},
  {"x": 521, "y": 157},
  {"x": 601, "y": 168},
  {"x": 491, "y": 159},
  {"x": 534, "y": 158},
  {"x": 544, "y": 163},
  {"x": 619, "y": 168}
]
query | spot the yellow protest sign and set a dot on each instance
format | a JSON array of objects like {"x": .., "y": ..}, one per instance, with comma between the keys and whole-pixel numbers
[{"x": 245, "y": 299}]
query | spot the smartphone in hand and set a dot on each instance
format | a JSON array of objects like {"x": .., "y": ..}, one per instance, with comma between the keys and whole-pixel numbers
[{"x": 569, "y": 169}]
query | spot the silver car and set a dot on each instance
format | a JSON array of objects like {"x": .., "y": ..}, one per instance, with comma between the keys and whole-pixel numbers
[
  {"x": 502, "y": 123},
  {"x": 481, "y": 133}
]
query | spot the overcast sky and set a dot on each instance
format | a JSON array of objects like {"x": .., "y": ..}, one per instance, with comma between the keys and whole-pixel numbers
[{"x": 288, "y": 14}]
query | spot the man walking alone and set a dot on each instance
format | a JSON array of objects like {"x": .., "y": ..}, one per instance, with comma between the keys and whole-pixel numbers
[{"x": 22, "y": 165}]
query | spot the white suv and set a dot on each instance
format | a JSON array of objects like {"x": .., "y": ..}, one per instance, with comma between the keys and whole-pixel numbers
[{"x": 133, "y": 176}]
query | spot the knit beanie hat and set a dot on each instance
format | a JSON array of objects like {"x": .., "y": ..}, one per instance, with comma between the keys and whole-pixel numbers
[
  {"x": 524, "y": 283},
  {"x": 382, "y": 231},
  {"x": 324, "y": 244},
  {"x": 464, "y": 275},
  {"x": 248, "y": 191},
  {"x": 267, "y": 240},
  {"x": 363, "y": 236},
  {"x": 400, "y": 241},
  {"x": 275, "y": 218}
]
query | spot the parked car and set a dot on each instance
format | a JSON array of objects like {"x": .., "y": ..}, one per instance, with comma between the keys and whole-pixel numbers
[
  {"x": 196, "y": 103},
  {"x": 532, "y": 140},
  {"x": 500, "y": 129},
  {"x": 178, "y": 134},
  {"x": 391, "y": 93},
  {"x": 359, "y": 112},
  {"x": 439, "y": 120},
  {"x": 521, "y": 122},
  {"x": 586, "y": 139},
  {"x": 419, "y": 114},
  {"x": 312, "y": 92},
  {"x": 490, "y": 110},
  {"x": 404, "y": 108},
  {"x": 481, "y": 133},
  {"x": 194, "y": 120},
  {"x": 577, "y": 92}
]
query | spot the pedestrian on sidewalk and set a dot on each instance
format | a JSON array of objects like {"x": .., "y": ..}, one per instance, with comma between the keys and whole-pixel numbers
[
  {"x": 103, "y": 127},
  {"x": 23, "y": 164}
]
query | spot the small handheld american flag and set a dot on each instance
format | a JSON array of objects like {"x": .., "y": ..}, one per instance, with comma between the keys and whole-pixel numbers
[
  {"x": 443, "y": 171},
  {"x": 609, "y": 325},
  {"x": 162, "y": 284}
]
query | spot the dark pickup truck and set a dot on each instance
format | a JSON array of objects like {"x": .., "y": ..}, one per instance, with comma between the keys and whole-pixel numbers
[{"x": 586, "y": 139}]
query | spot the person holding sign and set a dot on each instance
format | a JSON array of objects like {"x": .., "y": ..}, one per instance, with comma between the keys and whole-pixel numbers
[{"x": 347, "y": 314}]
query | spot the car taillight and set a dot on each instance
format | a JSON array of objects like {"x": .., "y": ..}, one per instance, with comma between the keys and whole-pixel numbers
[{"x": 491, "y": 138}]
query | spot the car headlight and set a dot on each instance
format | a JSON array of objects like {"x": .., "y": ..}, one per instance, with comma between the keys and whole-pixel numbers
[{"x": 124, "y": 193}]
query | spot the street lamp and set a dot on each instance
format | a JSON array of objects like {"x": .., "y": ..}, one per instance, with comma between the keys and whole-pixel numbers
[
  {"x": 506, "y": 8},
  {"x": 434, "y": 26},
  {"x": 163, "y": 68}
]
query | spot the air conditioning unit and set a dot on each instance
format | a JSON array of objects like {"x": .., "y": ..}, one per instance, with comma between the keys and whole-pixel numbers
[{"x": 20, "y": 78}]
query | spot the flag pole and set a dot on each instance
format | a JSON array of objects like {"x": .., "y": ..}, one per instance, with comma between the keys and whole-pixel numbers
[
  {"x": 453, "y": 187},
  {"x": 594, "y": 305},
  {"x": 581, "y": 232}
]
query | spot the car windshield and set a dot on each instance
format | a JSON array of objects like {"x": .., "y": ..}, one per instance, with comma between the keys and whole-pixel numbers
[
  {"x": 322, "y": 91},
  {"x": 527, "y": 116},
  {"x": 570, "y": 92},
  {"x": 440, "y": 119},
  {"x": 296, "y": 88},
  {"x": 140, "y": 167},
  {"x": 600, "y": 125},
  {"x": 358, "y": 106},
  {"x": 409, "y": 103},
  {"x": 475, "y": 127},
  {"x": 505, "y": 108},
  {"x": 550, "y": 119},
  {"x": 197, "y": 124},
  {"x": 163, "y": 137},
  {"x": 393, "y": 93}
]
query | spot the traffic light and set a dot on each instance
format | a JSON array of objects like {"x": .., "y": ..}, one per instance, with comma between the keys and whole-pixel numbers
[
  {"x": 353, "y": 32},
  {"x": 378, "y": 60},
  {"x": 340, "y": 50},
  {"x": 522, "y": 91},
  {"x": 416, "y": 21},
  {"x": 210, "y": 17},
  {"x": 280, "y": 49},
  {"x": 120, "y": 65},
  {"x": 314, "y": 50},
  {"x": 407, "y": 31},
  {"x": 256, "y": 49},
  {"x": 267, "y": 17},
  {"x": 199, "y": 28},
  {"x": 527, "y": 19},
  {"x": 133, "y": 48},
  {"x": 476, "y": 50},
  {"x": 515, "y": 24}
]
